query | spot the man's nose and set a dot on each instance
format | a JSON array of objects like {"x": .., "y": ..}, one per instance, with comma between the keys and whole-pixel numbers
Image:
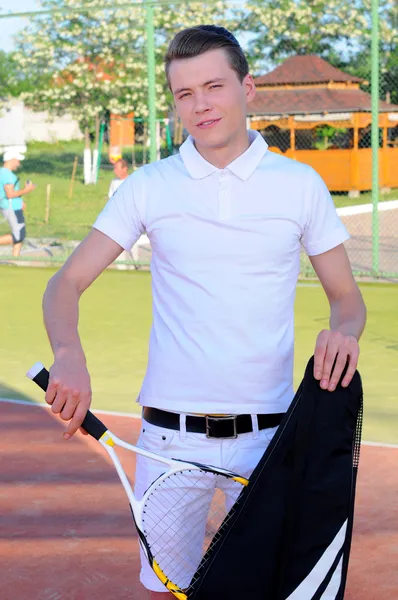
[{"x": 202, "y": 104}]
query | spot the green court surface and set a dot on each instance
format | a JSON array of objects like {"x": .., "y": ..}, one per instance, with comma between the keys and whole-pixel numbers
[{"x": 115, "y": 319}]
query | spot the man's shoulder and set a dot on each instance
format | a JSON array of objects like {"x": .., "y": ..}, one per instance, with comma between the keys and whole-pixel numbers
[
  {"x": 165, "y": 166},
  {"x": 278, "y": 161},
  {"x": 288, "y": 169},
  {"x": 7, "y": 176}
]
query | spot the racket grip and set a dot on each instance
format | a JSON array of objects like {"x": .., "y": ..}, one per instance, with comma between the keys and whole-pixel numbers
[{"x": 92, "y": 424}]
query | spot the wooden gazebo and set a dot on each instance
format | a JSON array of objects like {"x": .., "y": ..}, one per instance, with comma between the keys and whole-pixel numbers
[{"x": 305, "y": 96}]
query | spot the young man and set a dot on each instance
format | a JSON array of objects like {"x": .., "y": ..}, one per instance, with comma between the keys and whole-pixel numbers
[
  {"x": 226, "y": 219},
  {"x": 121, "y": 171},
  {"x": 11, "y": 202}
]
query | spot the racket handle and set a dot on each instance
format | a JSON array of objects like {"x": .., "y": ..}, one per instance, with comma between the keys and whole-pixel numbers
[{"x": 94, "y": 426}]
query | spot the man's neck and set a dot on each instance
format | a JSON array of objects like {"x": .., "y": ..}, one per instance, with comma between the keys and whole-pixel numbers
[{"x": 223, "y": 156}]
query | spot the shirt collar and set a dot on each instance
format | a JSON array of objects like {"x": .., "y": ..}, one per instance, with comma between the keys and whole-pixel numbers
[{"x": 243, "y": 166}]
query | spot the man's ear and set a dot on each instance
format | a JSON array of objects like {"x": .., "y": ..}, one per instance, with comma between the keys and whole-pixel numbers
[{"x": 250, "y": 87}]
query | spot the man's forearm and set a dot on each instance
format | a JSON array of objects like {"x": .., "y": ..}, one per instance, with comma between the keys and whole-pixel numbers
[
  {"x": 61, "y": 315},
  {"x": 348, "y": 314},
  {"x": 17, "y": 194}
]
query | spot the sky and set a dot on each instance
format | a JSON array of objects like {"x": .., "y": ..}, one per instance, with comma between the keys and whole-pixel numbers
[{"x": 10, "y": 27}]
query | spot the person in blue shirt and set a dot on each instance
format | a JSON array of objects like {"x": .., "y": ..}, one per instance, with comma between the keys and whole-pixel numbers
[{"x": 11, "y": 203}]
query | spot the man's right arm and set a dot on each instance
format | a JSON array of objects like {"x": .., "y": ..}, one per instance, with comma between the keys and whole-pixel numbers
[
  {"x": 69, "y": 391},
  {"x": 11, "y": 192}
]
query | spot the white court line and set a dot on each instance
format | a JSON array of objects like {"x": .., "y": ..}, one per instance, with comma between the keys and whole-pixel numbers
[
  {"x": 360, "y": 209},
  {"x": 136, "y": 416},
  {"x": 45, "y": 405},
  {"x": 380, "y": 444}
]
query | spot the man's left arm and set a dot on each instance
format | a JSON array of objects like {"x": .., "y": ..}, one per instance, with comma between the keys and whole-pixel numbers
[{"x": 347, "y": 319}]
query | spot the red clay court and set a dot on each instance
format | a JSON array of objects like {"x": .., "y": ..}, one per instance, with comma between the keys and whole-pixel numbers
[{"x": 67, "y": 534}]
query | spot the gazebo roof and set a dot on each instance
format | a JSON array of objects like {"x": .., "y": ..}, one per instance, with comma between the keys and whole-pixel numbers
[
  {"x": 309, "y": 69},
  {"x": 313, "y": 100}
]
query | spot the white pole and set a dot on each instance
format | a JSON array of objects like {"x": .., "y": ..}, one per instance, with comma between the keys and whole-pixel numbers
[
  {"x": 94, "y": 166},
  {"x": 48, "y": 195},
  {"x": 87, "y": 165}
]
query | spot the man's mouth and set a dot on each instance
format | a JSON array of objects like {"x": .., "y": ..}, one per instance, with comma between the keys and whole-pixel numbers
[{"x": 208, "y": 123}]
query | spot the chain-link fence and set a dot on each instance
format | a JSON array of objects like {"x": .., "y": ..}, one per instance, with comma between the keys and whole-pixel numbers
[{"x": 92, "y": 92}]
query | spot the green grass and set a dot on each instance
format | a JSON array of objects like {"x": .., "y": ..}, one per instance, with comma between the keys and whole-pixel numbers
[
  {"x": 72, "y": 218},
  {"x": 115, "y": 319}
]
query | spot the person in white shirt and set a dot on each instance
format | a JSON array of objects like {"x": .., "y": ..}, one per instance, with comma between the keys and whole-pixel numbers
[
  {"x": 226, "y": 219},
  {"x": 121, "y": 171}
]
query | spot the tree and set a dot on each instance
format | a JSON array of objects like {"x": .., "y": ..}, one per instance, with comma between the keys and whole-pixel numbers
[
  {"x": 96, "y": 58},
  {"x": 283, "y": 28},
  {"x": 13, "y": 82}
]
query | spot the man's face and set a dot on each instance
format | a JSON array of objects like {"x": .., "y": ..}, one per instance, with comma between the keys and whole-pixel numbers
[
  {"x": 14, "y": 164},
  {"x": 210, "y": 99}
]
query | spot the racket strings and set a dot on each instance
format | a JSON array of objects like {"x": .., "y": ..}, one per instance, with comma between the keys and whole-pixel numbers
[{"x": 181, "y": 517}]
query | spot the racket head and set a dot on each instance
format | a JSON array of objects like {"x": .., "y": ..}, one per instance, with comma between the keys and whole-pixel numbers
[{"x": 180, "y": 515}]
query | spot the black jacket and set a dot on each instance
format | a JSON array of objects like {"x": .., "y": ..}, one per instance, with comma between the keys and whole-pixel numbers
[{"x": 295, "y": 517}]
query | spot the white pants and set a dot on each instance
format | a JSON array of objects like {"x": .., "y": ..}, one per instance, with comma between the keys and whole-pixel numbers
[{"x": 240, "y": 455}]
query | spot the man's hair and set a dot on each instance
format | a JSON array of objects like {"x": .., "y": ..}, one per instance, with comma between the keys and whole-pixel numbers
[
  {"x": 122, "y": 162},
  {"x": 194, "y": 41}
]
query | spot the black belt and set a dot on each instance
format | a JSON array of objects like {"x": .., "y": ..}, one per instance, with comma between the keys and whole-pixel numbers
[{"x": 229, "y": 426}]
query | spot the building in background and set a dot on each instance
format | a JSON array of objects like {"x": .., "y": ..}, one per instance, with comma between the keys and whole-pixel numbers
[
  {"x": 20, "y": 125},
  {"x": 319, "y": 115}
]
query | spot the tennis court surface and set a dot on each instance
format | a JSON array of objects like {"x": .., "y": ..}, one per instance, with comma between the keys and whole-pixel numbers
[{"x": 67, "y": 534}]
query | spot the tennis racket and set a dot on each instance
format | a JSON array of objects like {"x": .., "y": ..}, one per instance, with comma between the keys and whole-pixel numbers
[{"x": 180, "y": 514}]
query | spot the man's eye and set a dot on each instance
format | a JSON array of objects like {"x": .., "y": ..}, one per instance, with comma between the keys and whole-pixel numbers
[
  {"x": 184, "y": 95},
  {"x": 216, "y": 85}
]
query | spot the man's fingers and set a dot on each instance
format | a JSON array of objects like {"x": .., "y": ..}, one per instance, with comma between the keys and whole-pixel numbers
[
  {"x": 352, "y": 365},
  {"x": 338, "y": 368},
  {"x": 70, "y": 406},
  {"x": 332, "y": 351},
  {"x": 59, "y": 400},
  {"x": 330, "y": 357},
  {"x": 51, "y": 391},
  {"x": 350, "y": 374},
  {"x": 77, "y": 419},
  {"x": 319, "y": 354}
]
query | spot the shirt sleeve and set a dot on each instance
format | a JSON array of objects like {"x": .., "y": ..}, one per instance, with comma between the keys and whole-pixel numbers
[
  {"x": 323, "y": 229},
  {"x": 123, "y": 217},
  {"x": 9, "y": 178}
]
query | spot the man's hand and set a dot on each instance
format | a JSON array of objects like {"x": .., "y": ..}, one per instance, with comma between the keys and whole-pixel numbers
[
  {"x": 29, "y": 187},
  {"x": 335, "y": 348},
  {"x": 69, "y": 392}
]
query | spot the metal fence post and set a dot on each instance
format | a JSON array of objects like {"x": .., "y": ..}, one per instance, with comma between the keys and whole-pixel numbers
[
  {"x": 150, "y": 41},
  {"x": 375, "y": 136}
]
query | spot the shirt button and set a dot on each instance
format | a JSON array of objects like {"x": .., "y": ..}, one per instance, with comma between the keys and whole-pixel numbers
[{"x": 223, "y": 175}]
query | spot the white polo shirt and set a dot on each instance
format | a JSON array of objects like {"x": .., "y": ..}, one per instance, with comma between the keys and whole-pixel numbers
[{"x": 225, "y": 261}]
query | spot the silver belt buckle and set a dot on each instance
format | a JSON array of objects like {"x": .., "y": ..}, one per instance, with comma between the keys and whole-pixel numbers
[{"x": 232, "y": 418}]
